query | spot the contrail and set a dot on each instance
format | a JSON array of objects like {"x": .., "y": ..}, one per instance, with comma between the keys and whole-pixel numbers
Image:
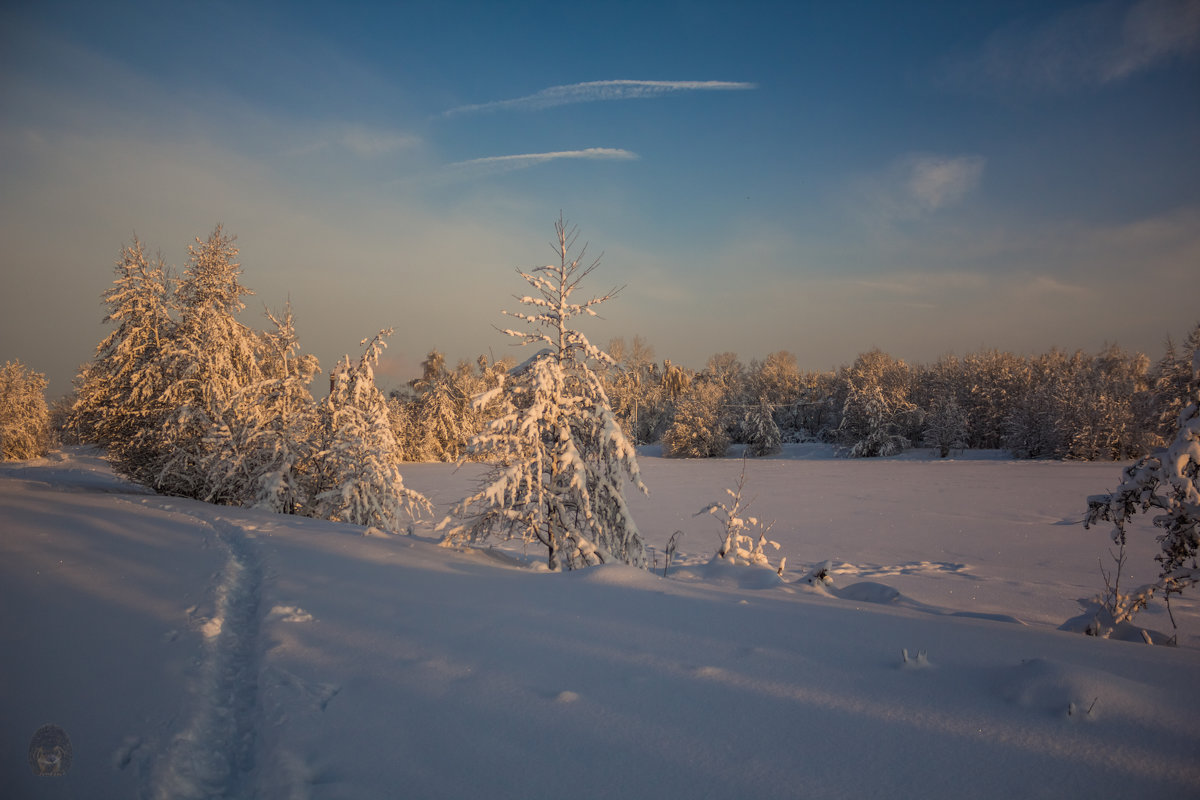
[
  {"x": 600, "y": 90},
  {"x": 515, "y": 162}
]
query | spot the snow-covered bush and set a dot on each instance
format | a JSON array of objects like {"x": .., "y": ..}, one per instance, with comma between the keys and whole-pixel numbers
[
  {"x": 24, "y": 416},
  {"x": 1169, "y": 481},
  {"x": 743, "y": 537},
  {"x": 559, "y": 457}
]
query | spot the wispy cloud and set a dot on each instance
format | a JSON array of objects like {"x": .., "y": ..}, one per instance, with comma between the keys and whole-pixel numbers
[
  {"x": 593, "y": 91},
  {"x": 935, "y": 182},
  {"x": 499, "y": 164},
  {"x": 1091, "y": 45},
  {"x": 916, "y": 185}
]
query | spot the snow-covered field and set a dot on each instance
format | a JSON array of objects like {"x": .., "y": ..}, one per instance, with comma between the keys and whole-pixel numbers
[{"x": 199, "y": 651}]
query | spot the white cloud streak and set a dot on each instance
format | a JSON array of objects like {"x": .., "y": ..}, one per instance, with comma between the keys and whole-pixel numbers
[
  {"x": 594, "y": 91},
  {"x": 501, "y": 164},
  {"x": 1091, "y": 45}
]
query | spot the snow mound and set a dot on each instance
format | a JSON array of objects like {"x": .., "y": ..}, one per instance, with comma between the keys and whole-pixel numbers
[
  {"x": 617, "y": 575},
  {"x": 868, "y": 592},
  {"x": 743, "y": 576},
  {"x": 1095, "y": 618},
  {"x": 1053, "y": 687}
]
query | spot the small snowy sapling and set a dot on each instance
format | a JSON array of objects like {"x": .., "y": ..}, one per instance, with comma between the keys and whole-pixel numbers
[
  {"x": 560, "y": 458},
  {"x": 740, "y": 545}
]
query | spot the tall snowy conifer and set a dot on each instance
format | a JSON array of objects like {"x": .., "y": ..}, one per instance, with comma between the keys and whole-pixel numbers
[
  {"x": 560, "y": 459},
  {"x": 358, "y": 470},
  {"x": 441, "y": 410},
  {"x": 210, "y": 360},
  {"x": 119, "y": 392}
]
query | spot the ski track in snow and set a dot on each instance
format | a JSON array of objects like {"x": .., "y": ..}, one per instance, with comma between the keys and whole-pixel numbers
[{"x": 213, "y": 755}]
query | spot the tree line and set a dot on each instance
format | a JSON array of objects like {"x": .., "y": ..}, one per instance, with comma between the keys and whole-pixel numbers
[{"x": 1112, "y": 405}]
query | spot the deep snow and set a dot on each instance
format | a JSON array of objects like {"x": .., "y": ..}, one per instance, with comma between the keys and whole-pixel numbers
[{"x": 198, "y": 651}]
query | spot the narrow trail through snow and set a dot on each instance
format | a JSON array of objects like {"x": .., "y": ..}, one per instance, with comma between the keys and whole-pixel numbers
[{"x": 213, "y": 754}]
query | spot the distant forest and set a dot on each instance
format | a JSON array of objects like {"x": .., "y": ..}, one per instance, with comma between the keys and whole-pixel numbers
[{"x": 1103, "y": 406}]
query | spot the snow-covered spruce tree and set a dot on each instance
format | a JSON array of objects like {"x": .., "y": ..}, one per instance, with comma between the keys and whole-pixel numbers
[
  {"x": 208, "y": 362},
  {"x": 441, "y": 411},
  {"x": 24, "y": 416},
  {"x": 1169, "y": 481},
  {"x": 559, "y": 458},
  {"x": 759, "y": 430},
  {"x": 358, "y": 476},
  {"x": 118, "y": 394}
]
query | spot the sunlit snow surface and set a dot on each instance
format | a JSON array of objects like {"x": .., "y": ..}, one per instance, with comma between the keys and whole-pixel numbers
[{"x": 197, "y": 651}]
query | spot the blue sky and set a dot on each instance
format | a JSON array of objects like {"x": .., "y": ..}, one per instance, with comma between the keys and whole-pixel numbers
[{"x": 822, "y": 178}]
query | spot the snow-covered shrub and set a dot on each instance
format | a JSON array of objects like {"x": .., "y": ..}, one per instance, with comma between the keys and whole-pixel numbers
[
  {"x": 698, "y": 430},
  {"x": 1169, "y": 481},
  {"x": 24, "y": 416},
  {"x": 559, "y": 457},
  {"x": 744, "y": 537}
]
